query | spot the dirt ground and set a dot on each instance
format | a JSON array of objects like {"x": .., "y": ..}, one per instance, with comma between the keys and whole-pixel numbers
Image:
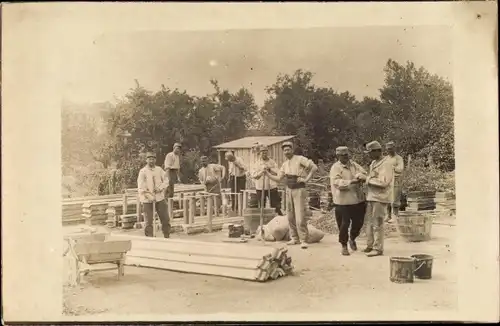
[{"x": 323, "y": 282}]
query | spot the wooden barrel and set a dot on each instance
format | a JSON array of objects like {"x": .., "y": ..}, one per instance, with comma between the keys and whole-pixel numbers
[
  {"x": 423, "y": 266},
  {"x": 414, "y": 226},
  {"x": 402, "y": 269},
  {"x": 253, "y": 201},
  {"x": 251, "y": 218}
]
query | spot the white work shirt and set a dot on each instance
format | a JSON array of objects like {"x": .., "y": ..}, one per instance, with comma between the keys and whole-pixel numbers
[
  {"x": 268, "y": 183},
  {"x": 172, "y": 161},
  {"x": 149, "y": 179},
  {"x": 213, "y": 171},
  {"x": 234, "y": 170},
  {"x": 298, "y": 166},
  {"x": 344, "y": 193},
  {"x": 398, "y": 164}
]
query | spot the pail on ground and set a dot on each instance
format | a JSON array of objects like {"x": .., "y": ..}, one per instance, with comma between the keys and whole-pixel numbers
[
  {"x": 402, "y": 269},
  {"x": 423, "y": 266}
]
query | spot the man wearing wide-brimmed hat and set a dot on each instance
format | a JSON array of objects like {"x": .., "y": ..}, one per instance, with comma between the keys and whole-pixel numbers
[
  {"x": 346, "y": 178},
  {"x": 151, "y": 183},
  {"x": 297, "y": 170},
  {"x": 398, "y": 165},
  {"x": 173, "y": 167},
  {"x": 379, "y": 184},
  {"x": 266, "y": 185}
]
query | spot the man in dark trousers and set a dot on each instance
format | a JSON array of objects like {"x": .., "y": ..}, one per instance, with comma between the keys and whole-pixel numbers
[
  {"x": 268, "y": 186},
  {"x": 347, "y": 193},
  {"x": 173, "y": 167},
  {"x": 151, "y": 183},
  {"x": 237, "y": 176}
]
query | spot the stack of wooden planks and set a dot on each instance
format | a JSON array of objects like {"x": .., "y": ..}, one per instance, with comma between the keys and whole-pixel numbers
[
  {"x": 72, "y": 213},
  {"x": 247, "y": 262},
  {"x": 95, "y": 212},
  {"x": 445, "y": 201},
  {"x": 420, "y": 201},
  {"x": 115, "y": 210}
]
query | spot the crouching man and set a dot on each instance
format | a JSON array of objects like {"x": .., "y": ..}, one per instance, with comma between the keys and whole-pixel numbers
[
  {"x": 151, "y": 183},
  {"x": 297, "y": 170},
  {"x": 378, "y": 198},
  {"x": 346, "y": 183}
]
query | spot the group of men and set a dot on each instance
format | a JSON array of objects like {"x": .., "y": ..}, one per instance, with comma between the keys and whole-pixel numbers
[{"x": 353, "y": 207}]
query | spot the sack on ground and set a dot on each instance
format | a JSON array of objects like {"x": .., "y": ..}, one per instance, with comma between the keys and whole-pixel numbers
[
  {"x": 278, "y": 227},
  {"x": 267, "y": 235},
  {"x": 315, "y": 235}
]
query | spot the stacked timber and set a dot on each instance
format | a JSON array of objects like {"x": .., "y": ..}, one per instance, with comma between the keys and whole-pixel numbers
[
  {"x": 128, "y": 221},
  {"x": 115, "y": 210},
  {"x": 95, "y": 212},
  {"x": 252, "y": 263},
  {"x": 420, "y": 201},
  {"x": 201, "y": 225},
  {"x": 445, "y": 202},
  {"x": 72, "y": 213}
]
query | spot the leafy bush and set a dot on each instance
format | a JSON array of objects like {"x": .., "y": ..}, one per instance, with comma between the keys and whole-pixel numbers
[{"x": 420, "y": 177}]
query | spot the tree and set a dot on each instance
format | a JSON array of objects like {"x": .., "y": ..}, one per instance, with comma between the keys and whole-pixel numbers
[{"x": 318, "y": 116}]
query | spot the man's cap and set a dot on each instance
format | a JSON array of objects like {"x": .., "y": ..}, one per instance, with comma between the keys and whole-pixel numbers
[
  {"x": 371, "y": 146},
  {"x": 204, "y": 158},
  {"x": 287, "y": 144},
  {"x": 177, "y": 145},
  {"x": 390, "y": 144},
  {"x": 342, "y": 150},
  {"x": 263, "y": 148},
  {"x": 228, "y": 154},
  {"x": 150, "y": 154}
]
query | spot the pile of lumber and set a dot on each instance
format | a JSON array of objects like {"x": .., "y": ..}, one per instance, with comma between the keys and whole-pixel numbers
[
  {"x": 420, "y": 201},
  {"x": 95, "y": 212},
  {"x": 72, "y": 213},
  {"x": 115, "y": 210},
  {"x": 445, "y": 201},
  {"x": 246, "y": 262}
]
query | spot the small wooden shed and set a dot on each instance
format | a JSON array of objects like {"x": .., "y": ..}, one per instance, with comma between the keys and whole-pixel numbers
[{"x": 243, "y": 148}]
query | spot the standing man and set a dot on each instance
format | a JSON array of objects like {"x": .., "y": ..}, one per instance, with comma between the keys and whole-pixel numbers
[
  {"x": 151, "y": 183},
  {"x": 346, "y": 177},
  {"x": 211, "y": 175},
  {"x": 378, "y": 198},
  {"x": 269, "y": 186},
  {"x": 297, "y": 170},
  {"x": 398, "y": 165},
  {"x": 173, "y": 168},
  {"x": 237, "y": 176}
]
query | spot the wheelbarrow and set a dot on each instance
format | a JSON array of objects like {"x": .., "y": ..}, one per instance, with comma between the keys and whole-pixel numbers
[{"x": 93, "y": 253}]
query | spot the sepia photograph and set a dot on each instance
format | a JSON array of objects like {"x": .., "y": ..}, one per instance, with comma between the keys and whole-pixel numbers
[
  {"x": 248, "y": 171},
  {"x": 200, "y": 167}
]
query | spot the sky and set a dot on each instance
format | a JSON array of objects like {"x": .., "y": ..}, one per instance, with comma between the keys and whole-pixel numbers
[{"x": 346, "y": 59}]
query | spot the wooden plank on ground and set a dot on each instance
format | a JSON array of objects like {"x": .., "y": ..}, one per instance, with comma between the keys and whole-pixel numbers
[{"x": 231, "y": 272}]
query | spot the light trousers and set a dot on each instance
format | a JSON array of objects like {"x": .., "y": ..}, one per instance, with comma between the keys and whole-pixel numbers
[
  {"x": 374, "y": 222},
  {"x": 296, "y": 209}
]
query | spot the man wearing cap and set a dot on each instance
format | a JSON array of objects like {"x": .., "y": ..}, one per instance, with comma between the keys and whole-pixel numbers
[
  {"x": 297, "y": 170},
  {"x": 151, "y": 183},
  {"x": 268, "y": 186},
  {"x": 398, "y": 165},
  {"x": 378, "y": 181},
  {"x": 211, "y": 175},
  {"x": 346, "y": 177},
  {"x": 237, "y": 176},
  {"x": 173, "y": 167}
]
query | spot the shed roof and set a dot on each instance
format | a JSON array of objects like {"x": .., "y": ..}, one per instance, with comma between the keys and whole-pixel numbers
[{"x": 248, "y": 142}]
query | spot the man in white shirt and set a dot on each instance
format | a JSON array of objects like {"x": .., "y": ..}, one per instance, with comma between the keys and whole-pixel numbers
[
  {"x": 348, "y": 197},
  {"x": 237, "y": 176},
  {"x": 268, "y": 186},
  {"x": 378, "y": 198},
  {"x": 297, "y": 170},
  {"x": 211, "y": 175},
  {"x": 151, "y": 183},
  {"x": 398, "y": 165},
  {"x": 173, "y": 167}
]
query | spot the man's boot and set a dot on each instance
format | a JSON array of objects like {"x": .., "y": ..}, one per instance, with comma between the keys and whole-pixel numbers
[
  {"x": 345, "y": 251},
  {"x": 354, "y": 246}
]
